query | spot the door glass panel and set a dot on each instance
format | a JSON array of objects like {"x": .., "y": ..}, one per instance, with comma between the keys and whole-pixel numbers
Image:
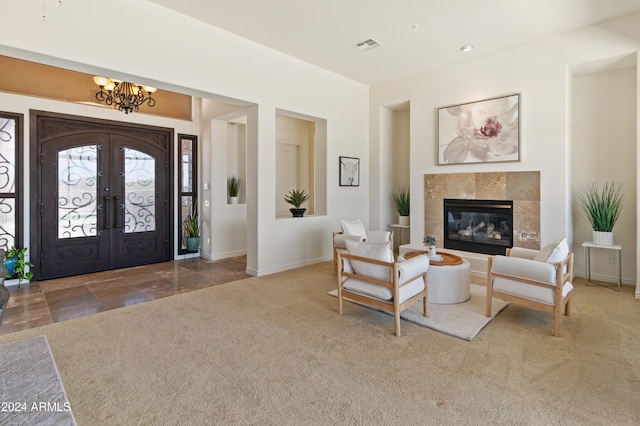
[
  {"x": 77, "y": 192},
  {"x": 139, "y": 191},
  {"x": 7, "y": 222}
]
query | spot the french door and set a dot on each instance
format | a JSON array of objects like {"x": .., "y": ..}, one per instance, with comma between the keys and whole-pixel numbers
[{"x": 104, "y": 200}]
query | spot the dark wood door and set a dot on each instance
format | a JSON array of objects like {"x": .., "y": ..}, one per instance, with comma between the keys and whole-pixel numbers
[{"x": 104, "y": 201}]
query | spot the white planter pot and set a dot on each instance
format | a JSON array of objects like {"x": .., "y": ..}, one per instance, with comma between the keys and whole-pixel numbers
[
  {"x": 603, "y": 238},
  {"x": 233, "y": 200},
  {"x": 403, "y": 220}
]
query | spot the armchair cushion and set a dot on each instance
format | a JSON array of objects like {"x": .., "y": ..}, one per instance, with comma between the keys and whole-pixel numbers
[
  {"x": 407, "y": 269},
  {"x": 353, "y": 228},
  {"x": 374, "y": 251},
  {"x": 529, "y": 270},
  {"x": 339, "y": 240},
  {"x": 524, "y": 268},
  {"x": 553, "y": 252},
  {"x": 378, "y": 236}
]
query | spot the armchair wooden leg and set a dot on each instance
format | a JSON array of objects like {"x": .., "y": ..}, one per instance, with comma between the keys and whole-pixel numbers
[
  {"x": 557, "y": 320},
  {"x": 424, "y": 306},
  {"x": 567, "y": 311},
  {"x": 487, "y": 310},
  {"x": 396, "y": 317}
]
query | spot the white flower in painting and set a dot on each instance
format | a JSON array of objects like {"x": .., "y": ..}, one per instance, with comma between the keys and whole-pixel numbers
[{"x": 486, "y": 130}]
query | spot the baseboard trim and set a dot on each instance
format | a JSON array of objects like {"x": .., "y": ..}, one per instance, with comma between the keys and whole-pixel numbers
[
  {"x": 284, "y": 268},
  {"x": 227, "y": 255}
]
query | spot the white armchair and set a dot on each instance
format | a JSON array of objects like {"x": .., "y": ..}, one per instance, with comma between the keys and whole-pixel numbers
[
  {"x": 369, "y": 275},
  {"x": 355, "y": 231},
  {"x": 539, "y": 279}
]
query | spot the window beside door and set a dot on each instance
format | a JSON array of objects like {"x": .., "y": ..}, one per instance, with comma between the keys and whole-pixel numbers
[
  {"x": 11, "y": 139},
  {"x": 187, "y": 181}
]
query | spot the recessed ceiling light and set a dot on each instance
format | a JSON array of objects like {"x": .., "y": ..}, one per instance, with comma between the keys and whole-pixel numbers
[
  {"x": 466, "y": 48},
  {"x": 414, "y": 26}
]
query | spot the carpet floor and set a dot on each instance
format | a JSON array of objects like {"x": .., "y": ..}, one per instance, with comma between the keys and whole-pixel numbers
[{"x": 273, "y": 351}]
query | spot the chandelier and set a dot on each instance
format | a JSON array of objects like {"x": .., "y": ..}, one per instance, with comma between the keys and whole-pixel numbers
[{"x": 124, "y": 96}]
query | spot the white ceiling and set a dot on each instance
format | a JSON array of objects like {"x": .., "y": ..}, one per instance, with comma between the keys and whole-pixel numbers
[{"x": 323, "y": 32}]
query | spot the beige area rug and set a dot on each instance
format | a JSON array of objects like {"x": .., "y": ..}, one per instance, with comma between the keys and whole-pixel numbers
[
  {"x": 273, "y": 350},
  {"x": 31, "y": 392},
  {"x": 461, "y": 320}
]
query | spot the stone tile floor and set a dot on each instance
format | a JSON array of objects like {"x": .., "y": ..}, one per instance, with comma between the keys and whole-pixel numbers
[{"x": 46, "y": 302}]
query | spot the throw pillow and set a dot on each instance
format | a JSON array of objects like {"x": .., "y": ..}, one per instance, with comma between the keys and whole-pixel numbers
[
  {"x": 353, "y": 228},
  {"x": 377, "y": 251},
  {"x": 553, "y": 252}
]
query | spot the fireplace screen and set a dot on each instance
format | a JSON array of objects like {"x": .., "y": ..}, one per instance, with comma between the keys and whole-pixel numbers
[{"x": 481, "y": 226}]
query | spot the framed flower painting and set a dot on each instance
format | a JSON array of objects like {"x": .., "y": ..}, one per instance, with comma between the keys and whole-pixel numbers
[{"x": 480, "y": 132}]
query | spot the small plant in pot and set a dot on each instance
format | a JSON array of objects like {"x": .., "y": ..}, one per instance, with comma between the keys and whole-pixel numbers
[
  {"x": 13, "y": 261},
  {"x": 431, "y": 240},
  {"x": 233, "y": 187},
  {"x": 401, "y": 201},
  {"x": 297, "y": 198},
  {"x": 192, "y": 225},
  {"x": 602, "y": 207}
]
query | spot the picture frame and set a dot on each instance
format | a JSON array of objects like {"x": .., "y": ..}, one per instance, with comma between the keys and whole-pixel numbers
[
  {"x": 349, "y": 168},
  {"x": 480, "y": 132}
]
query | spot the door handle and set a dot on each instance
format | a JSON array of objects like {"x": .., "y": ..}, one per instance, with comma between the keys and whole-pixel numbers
[
  {"x": 107, "y": 220},
  {"x": 116, "y": 206}
]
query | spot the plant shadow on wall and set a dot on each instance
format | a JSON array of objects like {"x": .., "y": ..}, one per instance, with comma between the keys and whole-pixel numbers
[
  {"x": 297, "y": 198},
  {"x": 479, "y": 132},
  {"x": 602, "y": 208}
]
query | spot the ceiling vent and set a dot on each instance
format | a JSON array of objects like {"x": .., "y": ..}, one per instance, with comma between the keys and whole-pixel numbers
[{"x": 368, "y": 45}]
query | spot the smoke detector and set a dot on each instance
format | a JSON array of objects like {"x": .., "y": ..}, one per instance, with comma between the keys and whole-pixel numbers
[{"x": 368, "y": 44}]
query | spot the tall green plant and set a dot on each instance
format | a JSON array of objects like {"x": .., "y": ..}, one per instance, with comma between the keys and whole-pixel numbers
[
  {"x": 192, "y": 222},
  {"x": 401, "y": 200},
  {"x": 233, "y": 186},
  {"x": 601, "y": 206}
]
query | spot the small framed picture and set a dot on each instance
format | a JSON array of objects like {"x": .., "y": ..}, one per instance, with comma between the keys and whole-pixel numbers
[{"x": 349, "y": 171}]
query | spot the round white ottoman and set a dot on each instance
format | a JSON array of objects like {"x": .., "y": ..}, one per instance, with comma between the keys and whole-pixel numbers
[{"x": 449, "y": 284}]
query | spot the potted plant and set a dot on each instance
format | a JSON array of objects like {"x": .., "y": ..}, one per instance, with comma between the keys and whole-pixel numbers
[
  {"x": 296, "y": 198},
  {"x": 13, "y": 261},
  {"x": 233, "y": 187},
  {"x": 602, "y": 208},
  {"x": 401, "y": 200},
  {"x": 430, "y": 240},
  {"x": 192, "y": 225}
]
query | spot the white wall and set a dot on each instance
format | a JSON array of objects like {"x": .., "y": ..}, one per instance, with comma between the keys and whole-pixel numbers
[
  {"x": 538, "y": 72},
  {"x": 604, "y": 149},
  {"x": 183, "y": 54}
]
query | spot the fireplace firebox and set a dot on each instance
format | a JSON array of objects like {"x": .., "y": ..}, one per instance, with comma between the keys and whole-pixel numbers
[{"x": 481, "y": 226}]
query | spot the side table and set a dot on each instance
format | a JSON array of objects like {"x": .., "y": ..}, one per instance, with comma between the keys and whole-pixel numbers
[
  {"x": 400, "y": 240},
  {"x": 588, "y": 245}
]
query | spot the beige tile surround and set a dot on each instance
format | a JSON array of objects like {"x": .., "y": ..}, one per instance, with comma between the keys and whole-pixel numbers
[{"x": 521, "y": 187}]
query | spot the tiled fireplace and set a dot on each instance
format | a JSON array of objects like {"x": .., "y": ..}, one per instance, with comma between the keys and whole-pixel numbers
[{"x": 519, "y": 190}]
